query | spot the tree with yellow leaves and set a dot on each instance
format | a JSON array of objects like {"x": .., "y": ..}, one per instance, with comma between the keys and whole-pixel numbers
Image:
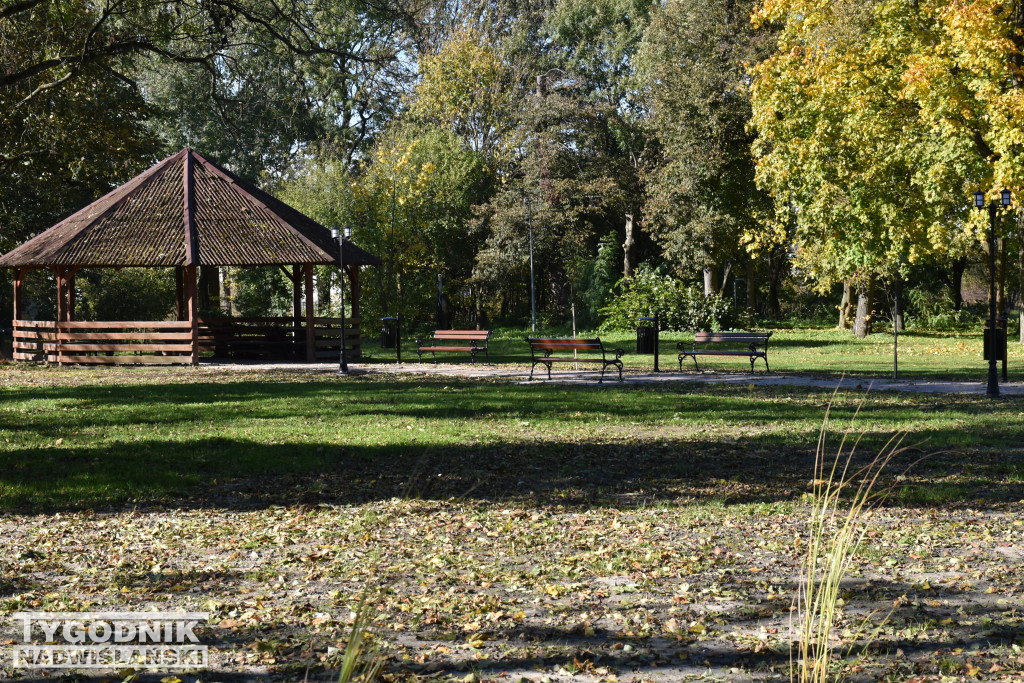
[{"x": 877, "y": 120}]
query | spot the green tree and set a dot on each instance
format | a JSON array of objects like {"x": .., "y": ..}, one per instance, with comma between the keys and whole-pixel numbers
[
  {"x": 702, "y": 203},
  {"x": 596, "y": 42},
  {"x": 565, "y": 187},
  {"x": 877, "y": 170},
  {"x": 411, "y": 205}
]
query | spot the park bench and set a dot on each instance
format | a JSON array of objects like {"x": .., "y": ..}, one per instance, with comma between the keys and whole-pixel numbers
[
  {"x": 726, "y": 344},
  {"x": 472, "y": 342},
  {"x": 594, "y": 346}
]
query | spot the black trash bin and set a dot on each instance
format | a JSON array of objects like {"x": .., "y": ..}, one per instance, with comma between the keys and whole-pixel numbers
[
  {"x": 1000, "y": 343},
  {"x": 645, "y": 336},
  {"x": 388, "y": 332}
]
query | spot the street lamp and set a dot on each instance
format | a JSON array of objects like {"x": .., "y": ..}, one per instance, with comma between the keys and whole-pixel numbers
[
  {"x": 341, "y": 237},
  {"x": 533, "y": 300},
  {"x": 993, "y": 207}
]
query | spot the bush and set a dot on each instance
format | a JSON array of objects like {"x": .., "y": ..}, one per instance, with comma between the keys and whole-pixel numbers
[
  {"x": 934, "y": 313},
  {"x": 681, "y": 307}
]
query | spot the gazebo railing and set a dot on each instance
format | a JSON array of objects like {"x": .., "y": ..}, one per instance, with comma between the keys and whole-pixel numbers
[
  {"x": 151, "y": 343},
  {"x": 251, "y": 337},
  {"x": 328, "y": 336},
  {"x": 104, "y": 343},
  {"x": 30, "y": 337},
  {"x": 274, "y": 337}
]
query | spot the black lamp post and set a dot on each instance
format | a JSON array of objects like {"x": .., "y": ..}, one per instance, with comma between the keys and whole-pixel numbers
[
  {"x": 341, "y": 237},
  {"x": 993, "y": 347}
]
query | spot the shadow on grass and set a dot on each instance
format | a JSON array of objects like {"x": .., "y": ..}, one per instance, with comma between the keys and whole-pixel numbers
[
  {"x": 249, "y": 444},
  {"x": 730, "y": 643}
]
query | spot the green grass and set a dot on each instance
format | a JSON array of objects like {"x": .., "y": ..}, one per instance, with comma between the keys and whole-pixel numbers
[
  {"x": 793, "y": 350},
  {"x": 82, "y": 438},
  {"x": 625, "y": 531}
]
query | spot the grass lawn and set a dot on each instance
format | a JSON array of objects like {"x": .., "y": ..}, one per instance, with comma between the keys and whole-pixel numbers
[
  {"x": 545, "y": 532},
  {"x": 798, "y": 351}
]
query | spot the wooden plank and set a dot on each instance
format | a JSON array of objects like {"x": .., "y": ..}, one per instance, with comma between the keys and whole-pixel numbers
[
  {"x": 337, "y": 321},
  {"x": 461, "y": 334},
  {"x": 101, "y": 336},
  {"x": 35, "y": 324},
  {"x": 127, "y": 360},
  {"x": 334, "y": 334},
  {"x": 282, "y": 320},
  {"x": 27, "y": 356},
  {"x": 132, "y": 324},
  {"x": 20, "y": 334},
  {"x": 169, "y": 348}
]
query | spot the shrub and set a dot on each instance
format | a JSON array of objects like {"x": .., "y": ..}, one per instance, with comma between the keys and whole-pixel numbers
[
  {"x": 681, "y": 307},
  {"x": 934, "y": 313}
]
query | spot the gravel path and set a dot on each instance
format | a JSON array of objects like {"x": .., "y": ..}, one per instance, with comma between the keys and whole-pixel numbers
[{"x": 514, "y": 373}]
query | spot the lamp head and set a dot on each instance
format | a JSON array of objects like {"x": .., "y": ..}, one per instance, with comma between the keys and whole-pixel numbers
[
  {"x": 1005, "y": 196},
  {"x": 979, "y": 199},
  {"x": 334, "y": 233},
  {"x": 348, "y": 231}
]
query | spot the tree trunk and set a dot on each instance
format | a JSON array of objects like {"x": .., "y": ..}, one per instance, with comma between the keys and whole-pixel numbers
[
  {"x": 898, "y": 303},
  {"x": 957, "y": 283},
  {"x": 627, "y": 247},
  {"x": 777, "y": 264},
  {"x": 226, "y": 303},
  {"x": 559, "y": 290},
  {"x": 865, "y": 310},
  {"x": 725, "y": 279},
  {"x": 209, "y": 287},
  {"x": 710, "y": 281},
  {"x": 846, "y": 306}
]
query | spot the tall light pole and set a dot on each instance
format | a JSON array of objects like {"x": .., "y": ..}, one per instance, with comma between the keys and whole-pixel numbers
[
  {"x": 993, "y": 347},
  {"x": 533, "y": 300},
  {"x": 341, "y": 237}
]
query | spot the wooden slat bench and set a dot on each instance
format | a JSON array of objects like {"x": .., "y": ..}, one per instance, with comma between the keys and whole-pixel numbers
[
  {"x": 711, "y": 343},
  {"x": 550, "y": 346},
  {"x": 473, "y": 342}
]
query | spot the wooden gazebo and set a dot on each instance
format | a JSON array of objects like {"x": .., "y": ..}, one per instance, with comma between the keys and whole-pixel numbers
[{"x": 184, "y": 213}]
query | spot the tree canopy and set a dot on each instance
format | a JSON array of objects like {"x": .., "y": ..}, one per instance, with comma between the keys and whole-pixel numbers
[{"x": 771, "y": 141}]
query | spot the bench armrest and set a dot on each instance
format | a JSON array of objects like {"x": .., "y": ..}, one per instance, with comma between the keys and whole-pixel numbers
[{"x": 619, "y": 353}]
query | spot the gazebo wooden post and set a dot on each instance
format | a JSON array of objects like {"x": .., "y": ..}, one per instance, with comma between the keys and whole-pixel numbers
[
  {"x": 192, "y": 290},
  {"x": 19, "y": 273},
  {"x": 62, "y": 311},
  {"x": 310, "y": 320},
  {"x": 179, "y": 292}
]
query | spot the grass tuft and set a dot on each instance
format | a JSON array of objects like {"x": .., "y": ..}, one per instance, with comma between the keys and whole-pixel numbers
[{"x": 841, "y": 500}]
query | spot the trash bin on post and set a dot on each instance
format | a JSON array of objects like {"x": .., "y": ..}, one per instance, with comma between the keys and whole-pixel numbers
[
  {"x": 1000, "y": 343},
  {"x": 645, "y": 336},
  {"x": 388, "y": 332}
]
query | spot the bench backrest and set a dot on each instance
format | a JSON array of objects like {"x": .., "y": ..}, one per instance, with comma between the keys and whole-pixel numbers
[
  {"x": 554, "y": 344},
  {"x": 463, "y": 335},
  {"x": 732, "y": 337}
]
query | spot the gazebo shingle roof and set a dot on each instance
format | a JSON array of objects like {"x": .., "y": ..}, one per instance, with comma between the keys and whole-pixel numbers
[{"x": 185, "y": 211}]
